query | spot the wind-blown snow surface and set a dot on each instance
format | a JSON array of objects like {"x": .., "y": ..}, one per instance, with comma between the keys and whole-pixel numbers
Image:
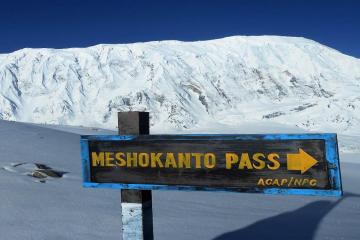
[
  {"x": 61, "y": 209},
  {"x": 288, "y": 80}
]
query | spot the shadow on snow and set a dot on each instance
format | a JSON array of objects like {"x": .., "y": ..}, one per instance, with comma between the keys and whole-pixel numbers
[{"x": 299, "y": 224}]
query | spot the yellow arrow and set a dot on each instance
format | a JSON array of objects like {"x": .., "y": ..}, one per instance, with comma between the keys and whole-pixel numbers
[{"x": 300, "y": 161}]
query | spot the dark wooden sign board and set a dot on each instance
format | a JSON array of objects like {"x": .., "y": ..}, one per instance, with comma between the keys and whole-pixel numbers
[{"x": 306, "y": 164}]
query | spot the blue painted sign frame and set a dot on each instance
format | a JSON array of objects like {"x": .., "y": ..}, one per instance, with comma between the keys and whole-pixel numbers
[{"x": 331, "y": 152}]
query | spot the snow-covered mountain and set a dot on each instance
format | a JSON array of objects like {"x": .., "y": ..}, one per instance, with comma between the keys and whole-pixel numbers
[{"x": 287, "y": 80}]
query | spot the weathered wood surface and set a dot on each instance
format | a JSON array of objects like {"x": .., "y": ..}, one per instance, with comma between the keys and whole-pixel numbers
[
  {"x": 136, "y": 205},
  {"x": 218, "y": 176}
]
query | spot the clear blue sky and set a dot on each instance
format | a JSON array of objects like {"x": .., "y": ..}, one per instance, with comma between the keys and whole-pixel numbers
[{"x": 74, "y": 23}]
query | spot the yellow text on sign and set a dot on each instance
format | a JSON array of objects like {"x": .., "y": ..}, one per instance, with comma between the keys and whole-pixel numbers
[
  {"x": 243, "y": 161},
  {"x": 257, "y": 161},
  {"x": 287, "y": 182},
  {"x": 153, "y": 160}
]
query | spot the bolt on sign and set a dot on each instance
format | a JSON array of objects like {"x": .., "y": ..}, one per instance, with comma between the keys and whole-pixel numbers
[{"x": 305, "y": 164}]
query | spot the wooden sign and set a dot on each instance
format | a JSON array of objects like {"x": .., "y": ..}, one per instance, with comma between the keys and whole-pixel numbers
[{"x": 273, "y": 164}]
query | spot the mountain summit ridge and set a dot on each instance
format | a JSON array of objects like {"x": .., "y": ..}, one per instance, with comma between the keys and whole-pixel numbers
[{"x": 284, "y": 38}]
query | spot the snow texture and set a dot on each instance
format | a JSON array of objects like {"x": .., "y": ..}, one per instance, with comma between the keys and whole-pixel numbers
[
  {"x": 62, "y": 209},
  {"x": 184, "y": 85}
]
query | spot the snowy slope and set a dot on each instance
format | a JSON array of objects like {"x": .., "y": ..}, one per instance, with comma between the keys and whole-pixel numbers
[
  {"x": 184, "y": 85},
  {"x": 61, "y": 209}
]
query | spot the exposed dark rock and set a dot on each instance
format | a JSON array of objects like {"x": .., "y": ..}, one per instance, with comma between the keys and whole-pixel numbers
[{"x": 273, "y": 115}]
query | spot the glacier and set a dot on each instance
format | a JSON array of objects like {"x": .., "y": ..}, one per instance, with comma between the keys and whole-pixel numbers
[{"x": 186, "y": 85}]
